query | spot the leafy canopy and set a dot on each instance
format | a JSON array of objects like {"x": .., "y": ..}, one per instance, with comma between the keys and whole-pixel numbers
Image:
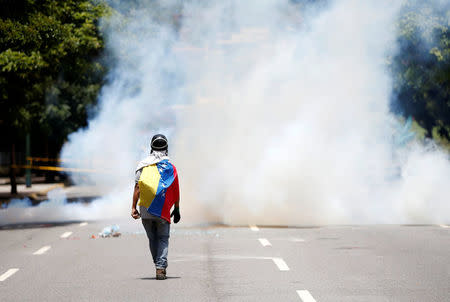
[
  {"x": 422, "y": 67},
  {"x": 50, "y": 72}
]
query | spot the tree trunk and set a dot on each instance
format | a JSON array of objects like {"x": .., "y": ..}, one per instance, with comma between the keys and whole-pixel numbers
[{"x": 12, "y": 170}]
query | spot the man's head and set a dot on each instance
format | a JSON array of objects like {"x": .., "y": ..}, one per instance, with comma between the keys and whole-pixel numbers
[{"x": 159, "y": 143}]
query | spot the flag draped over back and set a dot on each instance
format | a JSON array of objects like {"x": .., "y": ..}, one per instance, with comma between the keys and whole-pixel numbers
[{"x": 159, "y": 189}]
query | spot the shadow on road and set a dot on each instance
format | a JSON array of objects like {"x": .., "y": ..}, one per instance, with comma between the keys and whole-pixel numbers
[{"x": 154, "y": 278}]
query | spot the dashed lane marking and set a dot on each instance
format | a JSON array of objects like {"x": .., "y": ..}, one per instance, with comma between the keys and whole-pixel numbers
[
  {"x": 8, "y": 274},
  {"x": 279, "y": 262},
  {"x": 264, "y": 242},
  {"x": 42, "y": 250},
  {"x": 83, "y": 224},
  {"x": 254, "y": 228},
  {"x": 297, "y": 240},
  {"x": 66, "y": 234},
  {"x": 305, "y": 296},
  {"x": 444, "y": 226}
]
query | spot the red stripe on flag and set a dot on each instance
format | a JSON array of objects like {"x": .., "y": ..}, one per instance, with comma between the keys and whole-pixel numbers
[{"x": 172, "y": 196}]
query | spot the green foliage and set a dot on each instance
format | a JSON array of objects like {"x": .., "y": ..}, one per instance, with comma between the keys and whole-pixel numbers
[
  {"x": 422, "y": 67},
  {"x": 20, "y": 63},
  {"x": 50, "y": 67}
]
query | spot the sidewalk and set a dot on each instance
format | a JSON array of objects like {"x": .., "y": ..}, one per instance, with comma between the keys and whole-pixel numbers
[{"x": 37, "y": 192}]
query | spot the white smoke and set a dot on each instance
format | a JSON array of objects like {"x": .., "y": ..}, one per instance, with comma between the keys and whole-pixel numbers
[
  {"x": 276, "y": 113},
  {"x": 55, "y": 209}
]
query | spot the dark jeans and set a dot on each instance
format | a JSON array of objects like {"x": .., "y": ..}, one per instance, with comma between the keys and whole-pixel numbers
[{"x": 158, "y": 231}]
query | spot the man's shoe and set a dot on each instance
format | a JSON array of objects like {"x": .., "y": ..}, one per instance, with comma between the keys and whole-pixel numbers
[{"x": 161, "y": 274}]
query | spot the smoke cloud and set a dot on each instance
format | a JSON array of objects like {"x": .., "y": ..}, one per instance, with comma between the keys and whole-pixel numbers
[{"x": 277, "y": 112}]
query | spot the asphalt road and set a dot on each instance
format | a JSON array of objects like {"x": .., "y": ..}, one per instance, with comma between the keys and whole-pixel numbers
[{"x": 335, "y": 263}]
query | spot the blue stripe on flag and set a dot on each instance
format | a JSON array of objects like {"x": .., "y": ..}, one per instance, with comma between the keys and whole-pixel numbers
[{"x": 166, "y": 171}]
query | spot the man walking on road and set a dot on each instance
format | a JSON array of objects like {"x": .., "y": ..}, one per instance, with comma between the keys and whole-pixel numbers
[{"x": 156, "y": 188}]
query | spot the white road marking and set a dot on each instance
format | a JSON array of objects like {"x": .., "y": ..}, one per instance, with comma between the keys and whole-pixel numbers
[
  {"x": 279, "y": 262},
  {"x": 444, "y": 226},
  {"x": 42, "y": 250},
  {"x": 83, "y": 224},
  {"x": 254, "y": 228},
  {"x": 8, "y": 273},
  {"x": 305, "y": 296},
  {"x": 282, "y": 266},
  {"x": 264, "y": 242},
  {"x": 297, "y": 240},
  {"x": 66, "y": 234}
]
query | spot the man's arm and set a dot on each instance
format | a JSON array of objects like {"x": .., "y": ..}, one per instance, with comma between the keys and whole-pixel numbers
[
  {"x": 177, "y": 188},
  {"x": 134, "y": 212}
]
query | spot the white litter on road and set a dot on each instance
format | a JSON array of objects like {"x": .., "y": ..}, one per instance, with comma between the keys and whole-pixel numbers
[
  {"x": 66, "y": 234},
  {"x": 8, "y": 273},
  {"x": 282, "y": 266},
  {"x": 254, "y": 228},
  {"x": 305, "y": 296},
  {"x": 83, "y": 224},
  {"x": 110, "y": 231},
  {"x": 42, "y": 250},
  {"x": 264, "y": 242},
  {"x": 444, "y": 226}
]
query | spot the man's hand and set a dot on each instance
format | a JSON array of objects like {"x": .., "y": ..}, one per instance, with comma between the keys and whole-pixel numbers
[
  {"x": 135, "y": 214},
  {"x": 176, "y": 214}
]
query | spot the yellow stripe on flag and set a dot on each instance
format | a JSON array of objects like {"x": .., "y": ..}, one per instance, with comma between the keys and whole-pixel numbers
[{"x": 148, "y": 184}]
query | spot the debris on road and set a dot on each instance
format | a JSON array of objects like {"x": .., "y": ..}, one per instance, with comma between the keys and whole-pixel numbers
[{"x": 109, "y": 231}]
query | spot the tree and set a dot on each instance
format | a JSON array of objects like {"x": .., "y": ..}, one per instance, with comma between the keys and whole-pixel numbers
[
  {"x": 50, "y": 67},
  {"x": 422, "y": 67}
]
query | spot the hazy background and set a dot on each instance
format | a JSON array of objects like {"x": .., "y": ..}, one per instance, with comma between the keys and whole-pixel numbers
[{"x": 276, "y": 112}]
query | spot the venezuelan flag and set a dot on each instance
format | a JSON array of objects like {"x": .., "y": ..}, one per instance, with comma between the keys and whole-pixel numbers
[{"x": 159, "y": 189}]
